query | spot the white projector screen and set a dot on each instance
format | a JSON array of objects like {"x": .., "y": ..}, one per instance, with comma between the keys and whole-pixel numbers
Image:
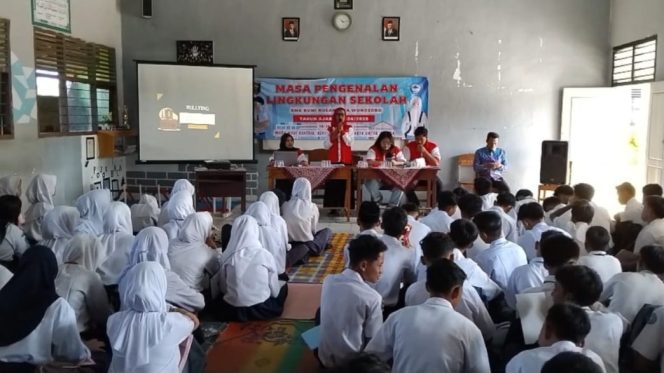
[{"x": 195, "y": 113}]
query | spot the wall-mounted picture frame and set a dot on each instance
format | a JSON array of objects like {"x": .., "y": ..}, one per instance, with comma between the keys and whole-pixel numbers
[
  {"x": 115, "y": 184},
  {"x": 391, "y": 28},
  {"x": 90, "y": 148},
  {"x": 195, "y": 52},
  {"x": 343, "y": 4},
  {"x": 290, "y": 29},
  {"x": 107, "y": 183},
  {"x": 96, "y": 185}
]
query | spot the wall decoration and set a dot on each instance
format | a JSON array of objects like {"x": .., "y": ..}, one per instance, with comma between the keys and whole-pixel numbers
[
  {"x": 391, "y": 27},
  {"x": 107, "y": 183},
  {"x": 96, "y": 185},
  {"x": 89, "y": 148},
  {"x": 24, "y": 92},
  {"x": 53, "y": 14},
  {"x": 195, "y": 52},
  {"x": 343, "y": 4},
  {"x": 290, "y": 29}
]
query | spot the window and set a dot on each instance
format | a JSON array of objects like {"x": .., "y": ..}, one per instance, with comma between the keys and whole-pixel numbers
[
  {"x": 6, "y": 120},
  {"x": 76, "y": 84},
  {"x": 635, "y": 62}
]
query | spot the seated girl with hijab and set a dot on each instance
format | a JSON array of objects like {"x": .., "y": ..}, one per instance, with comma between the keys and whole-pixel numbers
[
  {"x": 10, "y": 185},
  {"x": 151, "y": 245},
  {"x": 145, "y": 213},
  {"x": 301, "y": 216},
  {"x": 13, "y": 242},
  {"x": 271, "y": 200},
  {"x": 118, "y": 232},
  {"x": 247, "y": 286},
  {"x": 182, "y": 185},
  {"x": 180, "y": 207},
  {"x": 272, "y": 236},
  {"x": 145, "y": 336},
  {"x": 92, "y": 206},
  {"x": 38, "y": 327},
  {"x": 58, "y": 228},
  {"x": 81, "y": 287},
  {"x": 383, "y": 150},
  {"x": 40, "y": 194},
  {"x": 193, "y": 254},
  {"x": 286, "y": 144}
]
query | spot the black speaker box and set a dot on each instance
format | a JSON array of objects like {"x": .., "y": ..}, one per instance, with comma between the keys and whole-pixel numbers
[
  {"x": 147, "y": 9},
  {"x": 553, "y": 164}
]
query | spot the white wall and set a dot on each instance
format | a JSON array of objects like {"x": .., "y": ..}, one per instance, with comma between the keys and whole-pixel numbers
[{"x": 96, "y": 21}]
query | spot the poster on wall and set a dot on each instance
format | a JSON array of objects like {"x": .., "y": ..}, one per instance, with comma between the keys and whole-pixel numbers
[
  {"x": 303, "y": 107},
  {"x": 53, "y": 14}
]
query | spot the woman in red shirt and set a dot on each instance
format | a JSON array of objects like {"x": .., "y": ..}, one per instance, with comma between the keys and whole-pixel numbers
[
  {"x": 383, "y": 150},
  {"x": 338, "y": 145}
]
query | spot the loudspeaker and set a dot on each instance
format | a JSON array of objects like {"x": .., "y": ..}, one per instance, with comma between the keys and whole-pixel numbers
[
  {"x": 147, "y": 9},
  {"x": 553, "y": 164}
]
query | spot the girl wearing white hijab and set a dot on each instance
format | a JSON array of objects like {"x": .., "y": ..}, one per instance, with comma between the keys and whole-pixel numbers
[
  {"x": 182, "y": 185},
  {"x": 271, "y": 200},
  {"x": 40, "y": 194},
  {"x": 80, "y": 286},
  {"x": 145, "y": 336},
  {"x": 180, "y": 206},
  {"x": 151, "y": 245},
  {"x": 190, "y": 254},
  {"x": 248, "y": 278},
  {"x": 10, "y": 185},
  {"x": 117, "y": 228},
  {"x": 145, "y": 213},
  {"x": 301, "y": 216},
  {"x": 273, "y": 238},
  {"x": 92, "y": 206},
  {"x": 13, "y": 242},
  {"x": 58, "y": 228}
]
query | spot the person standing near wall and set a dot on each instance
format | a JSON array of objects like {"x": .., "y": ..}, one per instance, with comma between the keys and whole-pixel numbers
[{"x": 490, "y": 161}]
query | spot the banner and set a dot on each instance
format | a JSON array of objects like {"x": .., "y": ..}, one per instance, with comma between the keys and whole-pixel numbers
[{"x": 304, "y": 108}]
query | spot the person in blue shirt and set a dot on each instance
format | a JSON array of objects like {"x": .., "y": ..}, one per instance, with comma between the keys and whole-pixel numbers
[{"x": 490, "y": 162}]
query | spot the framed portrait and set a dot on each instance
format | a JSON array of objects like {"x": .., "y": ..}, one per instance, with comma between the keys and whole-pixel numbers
[
  {"x": 107, "y": 183},
  {"x": 290, "y": 29},
  {"x": 115, "y": 185},
  {"x": 343, "y": 4},
  {"x": 195, "y": 52},
  {"x": 89, "y": 148},
  {"x": 96, "y": 185},
  {"x": 391, "y": 28}
]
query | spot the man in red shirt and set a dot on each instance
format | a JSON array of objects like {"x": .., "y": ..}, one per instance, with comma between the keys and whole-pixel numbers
[{"x": 422, "y": 147}]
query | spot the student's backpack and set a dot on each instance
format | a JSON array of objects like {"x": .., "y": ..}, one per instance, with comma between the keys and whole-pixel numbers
[{"x": 627, "y": 357}]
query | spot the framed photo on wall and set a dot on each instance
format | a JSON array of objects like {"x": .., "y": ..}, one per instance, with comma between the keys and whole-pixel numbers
[
  {"x": 107, "y": 183},
  {"x": 391, "y": 28},
  {"x": 89, "y": 148},
  {"x": 195, "y": 52},
  {"x": 290, "y": 28},
  {"x": 343, "y": 4}
]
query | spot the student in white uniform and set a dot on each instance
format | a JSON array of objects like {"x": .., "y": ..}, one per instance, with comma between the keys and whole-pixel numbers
[
  {"x": 368, "y": 220},
  {"x": 272, "y": 202},
  {"x": 633, "y": 208},
  {"x": 601, "y": 217},
  {"x": 151, "y": 245},
  {"x": 531, "y": 216},
  {"x": 557, "y": 251},
  {"x": 649, "y": 345},
  {"x": 81, "y": 287},
  {"x": 181, "y": 185},
  {"x": 92, "y": 207},
  {"x": 273, "y": 238},
  {"x": 629, "y": 291},
  {"x": 10, "y": 185},
  {"x": 505, "y": 203},
  {"x": 383, "y": 151},
  {"x": 145, "y": 213},
  {"x": 58, "y": 228},
  {"x": 180, "y": 206},
  {"x": 523, "y": 196},
  {"x": 597, "y": 242},
  {"x": 13, "y": 242},
  {"x": 582, "y": 286},
  {"x": 471, "y": 205},
  {"x": 409, "y": 336},
  {"x": 146, "y": 335},
  {"x": 416, "y": 234},
  {"x": 350, "y": 310},
  {"x": 436, "y": 246},
  {"x": 565, "y": 329},
  {"x": 439, "y": 219},
  {"x": 582, "y": 216},
  {"x": 193, "y": 254},
  {"x": 482, "y": 188},
  {"x": 653, "y": 216},
  {"x": 464, "y": 232},
  {"x": 550, "y": 205},
  {"x": 117, "y": 228},
  {"x": 564, "y": 193},
  {"x": 38, "y": 327},
  {"x": 398, "y": 268},
  {"x": 40, "y": 193},
  {"x": 301, "y": 216},
  {"x": 502, "y": 256},
  {"x": 571, "y": 362},
  {"x": 248, "y": 277}
]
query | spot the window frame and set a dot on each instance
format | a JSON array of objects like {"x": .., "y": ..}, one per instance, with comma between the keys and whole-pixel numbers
[
  {"x": 5, "y": 24},
  {"x": 634, "y": 45}
]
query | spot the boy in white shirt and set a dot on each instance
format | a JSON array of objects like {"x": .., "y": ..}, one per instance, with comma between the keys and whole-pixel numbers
[
  {"x": 571, "y": 362},
  {"x": 550, "y": 205},
  {"x": 580, "y": 285},
  {"x": 597, "y": 242},
  {"x": 483, "y": 189},
  {"x": 471, "y": 205},
  {"x": 601, "y": 217},
  {"x": 582, "y": 216},
  {"x": 350, "y": 311},
  {"x": 415, "y": 339},
  {"x": 633, "y": 208},
  {"x": 417, "y": 233},
  {"x": 653, "y": 216},
  {"x": 439, "y": 220},
  {"x": 505, "y": 203},
  {"x": 564, "y": 193},
  {"x": 565, "y": 329},
  {"x": 649, "y": 345},
  {"x": 502, "y": 256},
  {"x": 368, "y": 219},
  {"x": 557, "y": 251},
  {"x": 531, "y": 216}
]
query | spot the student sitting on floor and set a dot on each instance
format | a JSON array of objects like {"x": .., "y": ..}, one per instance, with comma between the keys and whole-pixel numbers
[
  {"x": 92, "y": 206},
  {"x": 557, "y": 251},
  {"x": 368, "y": 219},
  {"x": 437, "y": 246},
  {"x": 580, "y": 285},
  {"x": 271, "y": 200},
  {"x": 464, "y": 232},
  {"x": 270, "y": 236},
  {"x": 531, "y": 216},
  {"x": 301, "y": 217},
  {"x": 248, "y": 277},
  {"x": 398, "y": 268},
  {"x": 653, "y": 216},
  {"x": 145, "y": 213},
  {"x": 597, "y": 242},
  {"x": 582, "y": 216},
  {"x": 482, "y": 188},
  {"x": 523, "y": 196},
  {"x": 118, "y": 231},
  {"x": 471, "y": 205},
  {"x": 502, "y": 256},
  {"x": 629, "y": 291},
  {"x": 505, "y": 203},
  {"x": 571, "y": 362},
  {"x": 350, "y": 311},
  {"x": 13, "y": 242},
  {"x": 565, "y": 329},
  {"x": 180, "y": 206},
  {"x": 601, "y": 217},
  {"x": 58, "y": 228},
  {"x": 146, "y": 334},
  {"x": 414, "y": 339},
  {"x": 40, "y": 194},
  {"x": 181, "y": 185},
  {"x": 439, "y": 219},
  {"x": 649, "y": 345},
  {"x": 416, "y": 234},
  {"x": 10, "y": 185}
]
